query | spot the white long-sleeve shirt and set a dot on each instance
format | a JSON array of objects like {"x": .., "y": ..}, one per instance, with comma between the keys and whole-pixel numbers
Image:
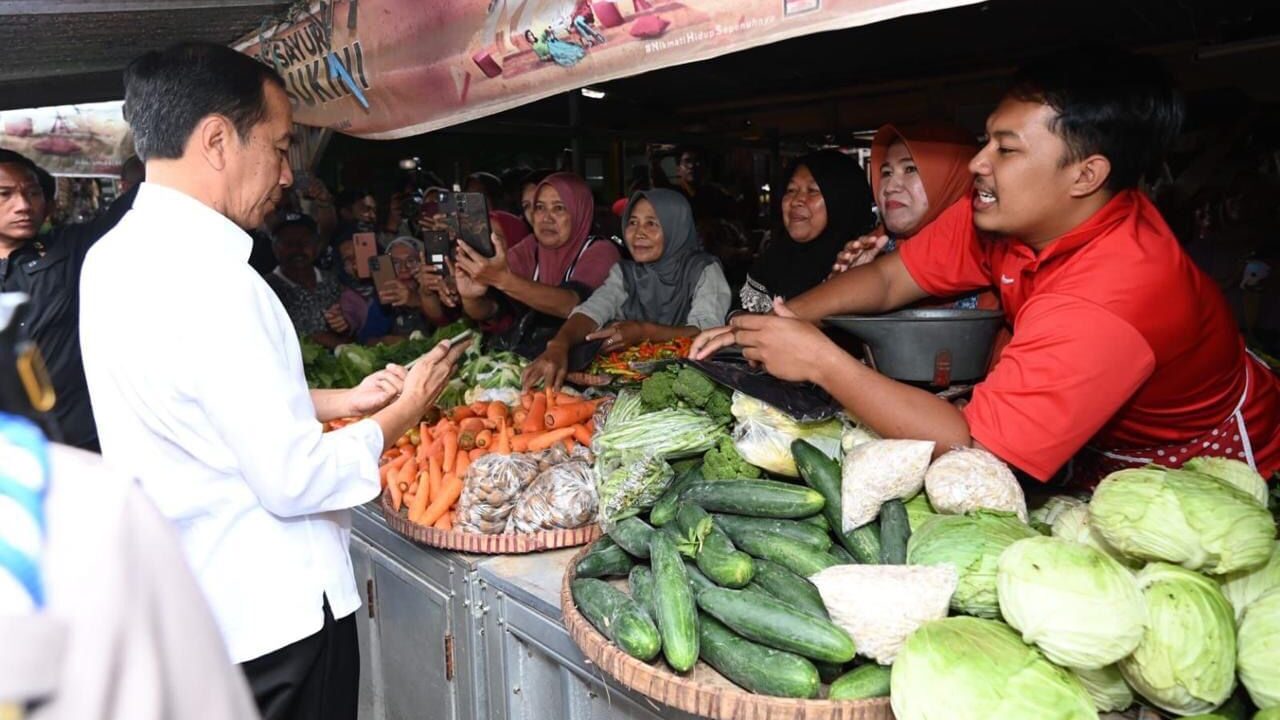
[{"x": 196, "y": 380}]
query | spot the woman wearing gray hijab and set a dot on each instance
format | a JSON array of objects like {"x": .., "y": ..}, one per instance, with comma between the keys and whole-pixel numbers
[{"x": 670, "y": 288}]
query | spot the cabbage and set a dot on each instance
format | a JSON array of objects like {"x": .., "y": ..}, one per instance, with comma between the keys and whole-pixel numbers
[
  {"x": 918, "y": 511},
  {"x": 1106, "y": 687},
  {"x": 1245, "y": 586},
  {"x": 972, "y": 545},
  {"x": 1260, "y": 650},
  {"x": 1186, "y": 662},
  {"x": 1080, "y": 606},
  {"x": 763, "y": 435},
  {"x": 1073, "y": 524},
  {"x": 1233, "y": 472},
  {"x": 1268, "y": 714},
  {"x": 1053, "y": 507},
  {"x": 1182, "y": 517},
  {"x": 964, "y": 667}
]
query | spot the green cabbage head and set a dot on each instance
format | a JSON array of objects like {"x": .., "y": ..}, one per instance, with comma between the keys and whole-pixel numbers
[
  {"x": 1107, "y": 687},
  {"x": 1182, "y": 517},
  {"x": 1233, "y": 472},
  {"x": 1073, "y": 524},
  {"x": 1186, "y": 662},
  {"x": 1244, "y": 586},
  {"x": 1076, "y": 603},
  {"x": 963, "y": 667},
  {"x": 972, "y": 544},
  {"x": 1260, "y": 651}
]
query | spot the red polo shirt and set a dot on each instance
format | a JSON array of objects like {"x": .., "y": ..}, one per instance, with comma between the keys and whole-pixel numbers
[{"x": 1119, "y": 341}]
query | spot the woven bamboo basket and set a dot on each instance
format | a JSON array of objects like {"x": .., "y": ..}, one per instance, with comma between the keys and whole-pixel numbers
[
  {"x": 702, "y": 691},
  {"x": 480, "y": 544}
]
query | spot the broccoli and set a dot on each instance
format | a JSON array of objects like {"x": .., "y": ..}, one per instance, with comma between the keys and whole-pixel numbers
[
  {"x": 720, "y": 407},
  {"x": 694, "y": 388},
  {"x": 723, "y": 462},
  {"x": 658, "y": 391}
]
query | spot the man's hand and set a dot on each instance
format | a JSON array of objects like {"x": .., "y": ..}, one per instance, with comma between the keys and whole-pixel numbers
[
  {"x": 487, "y": 271},
  {"x": 429, "y": 375},
  {"x": 431, "y": 281},
  {"x": 434, "y": 222},
  {"x": 624, "y": 334},
  {"x": 395, "y": 294},
  {"x": 376, "y": 391},
  {"x": 710, "y": 342},
  {"x": 549, "y": 368},
  {"x": 468, "y": 287},
  {"x": 336, "y": 321},
  {"x": 785, "y": 345},
  {"x": 859, "y": 252}
]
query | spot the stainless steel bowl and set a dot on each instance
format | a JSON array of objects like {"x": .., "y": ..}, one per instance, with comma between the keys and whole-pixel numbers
[{"x": 939, "y": 346}]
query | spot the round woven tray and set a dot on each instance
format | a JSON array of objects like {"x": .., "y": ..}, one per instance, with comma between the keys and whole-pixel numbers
[
  {"x": 468, "y": 542},
  {"x": 702, "y": 691}
]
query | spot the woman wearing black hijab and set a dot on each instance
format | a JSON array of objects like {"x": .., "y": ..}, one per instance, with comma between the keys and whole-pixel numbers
[{"x": 827, "y": 202}]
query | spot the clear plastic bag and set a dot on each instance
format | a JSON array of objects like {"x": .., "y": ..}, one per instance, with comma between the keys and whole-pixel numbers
[
  {"x": 561, "y": 497},
  {"x": 491, "y": 489},
  {"x": 764, "y": 434}
]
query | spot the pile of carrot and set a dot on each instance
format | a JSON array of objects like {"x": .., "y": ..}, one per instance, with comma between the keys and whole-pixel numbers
[{"x": 425, "y": 469}]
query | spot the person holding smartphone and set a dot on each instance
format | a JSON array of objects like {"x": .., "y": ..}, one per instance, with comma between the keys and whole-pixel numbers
[{"x": 213, "y": 416}]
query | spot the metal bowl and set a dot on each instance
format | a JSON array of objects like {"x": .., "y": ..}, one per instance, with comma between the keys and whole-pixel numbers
[{"x": 938, "y": 346}]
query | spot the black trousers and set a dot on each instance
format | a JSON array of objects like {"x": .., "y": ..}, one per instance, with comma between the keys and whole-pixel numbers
[{"x": 316, "y": 678}]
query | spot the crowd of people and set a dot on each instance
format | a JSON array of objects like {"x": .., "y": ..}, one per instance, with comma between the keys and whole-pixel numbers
[{"x": 1121, "y": 350}]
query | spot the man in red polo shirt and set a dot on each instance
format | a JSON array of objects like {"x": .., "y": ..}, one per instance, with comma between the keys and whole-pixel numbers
[{"x": 1123, "y": 352}]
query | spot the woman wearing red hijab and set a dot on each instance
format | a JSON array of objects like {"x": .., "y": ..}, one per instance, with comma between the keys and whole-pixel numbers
[{"x": 549, "y": 275}]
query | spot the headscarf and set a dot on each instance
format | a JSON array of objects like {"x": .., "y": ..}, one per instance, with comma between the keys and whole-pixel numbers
[
  {"x": 662, "y": 291},
  {"x": 513, "y": 227},
  {"x": 553, "y": 263},
  {"x": 789, "y": 268},
  {"x": 941, "y": 153}
]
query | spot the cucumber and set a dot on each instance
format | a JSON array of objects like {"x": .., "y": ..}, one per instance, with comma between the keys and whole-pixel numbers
[
  {"x": 810, "y": 535},
  {"x": 895, "y": 531},
  {"x": 664, "y": 511},
  {"x": 640, "y": 582},
  {"x": 868, "y": 681},
  {"x": 829, "y": 672},
  {"x": 632, "y": 535},
  {"x": 759, "y": 669},
  {"x": 822, "y": 474},
  {"x": 818, "y": 520},
  {"x": 839, "y": 553},
  {"x": 605, "y": 559},
  {"x": 618, "y": 617},
  {"x": 758, "y": 498},
  {"x": 697, "y": 581},
  {"x": 795, "y": 556},
  {"x": 790, "y": 588},
  {"x": 863, "y": 543},
  {"x": 772, "y": 622},
  {"x": 673, "y": 604},
  {"x": 717, "y": 558}
]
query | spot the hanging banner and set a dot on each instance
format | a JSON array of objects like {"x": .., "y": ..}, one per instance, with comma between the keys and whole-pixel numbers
[
  {"x": 386, "y": 69},
  {"x": 72, "y": 140}
]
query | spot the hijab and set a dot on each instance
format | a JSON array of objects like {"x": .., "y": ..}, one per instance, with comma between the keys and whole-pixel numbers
[
  {"x": 941, "y": 153},
  {"x": 552, "y": 263},
  {"x": 789, "y": 268},
  {"x": 662, "y": 291}
]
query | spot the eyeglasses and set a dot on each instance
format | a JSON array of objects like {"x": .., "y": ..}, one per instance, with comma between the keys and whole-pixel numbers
[{"x": 410, "y": 264}]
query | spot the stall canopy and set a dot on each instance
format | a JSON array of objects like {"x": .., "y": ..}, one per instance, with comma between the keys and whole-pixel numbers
[{"x": 384, "y": 69}]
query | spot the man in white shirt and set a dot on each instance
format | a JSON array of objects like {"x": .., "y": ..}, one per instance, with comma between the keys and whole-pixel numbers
[{"x": 205, "y": 402}]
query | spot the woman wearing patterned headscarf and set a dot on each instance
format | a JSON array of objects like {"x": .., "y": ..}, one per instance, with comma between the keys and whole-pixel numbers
[{"x": 671, "y": 288}]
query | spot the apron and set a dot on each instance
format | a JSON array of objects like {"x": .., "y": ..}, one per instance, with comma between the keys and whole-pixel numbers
[{"x": 1230, "y": 439}]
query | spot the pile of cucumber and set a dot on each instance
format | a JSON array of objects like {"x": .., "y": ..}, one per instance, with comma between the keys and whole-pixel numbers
[{"x": 718, "y": 572}]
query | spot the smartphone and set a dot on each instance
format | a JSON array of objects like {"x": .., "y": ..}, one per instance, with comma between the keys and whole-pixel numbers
[
  {"x": 366, "y": 247},
  {"x": 473, "y": 222},
  {"x": 383, "y": 272},
  {"x": 437, "y": 249}
]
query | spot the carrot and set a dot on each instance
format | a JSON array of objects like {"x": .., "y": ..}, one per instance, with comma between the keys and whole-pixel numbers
[
  {"x": 484, "y": 439},
  {"x": 405, "y": 451},
  {"x": 435, "y": 472},
  {"x": 526, "y": 401},
  {"x": 518, "y": 418},
  {"x": 582, "y": 435},
  {"x": 420, "y": 499},
  {"x": 551, "y": 396},
  {"x": 590, "y": 424},
  {"x": 413, "y": 486},
  {"x": 472, "y": 424},
  {"x": 445, "y": 523},
  {"x": 549, "y": 438},
  {"x": 440, "y": 504},
  {"x": 564, "y": 398},
  {"x": 477, "y": 454},
  {"x": 434, "y": 448},
  {"x": 504, "y": 439},
  {"x": 479, "y": 408},
  {"x": 566, "y": 415},
  {"x": 402, "y": 441},
  {"x": 537, "y": 412},
  {"x": 444, "y": 424},
  {"x": 464, "y": 462},
  {"x": 462, "y": 412},
  {"x": 520, "y": 443},
  {"x": 450, "y": 450},
  {"x": 467, "y": 441},
  {"x": 497, "y": 411},
  {"x": 397, "y": 497}
]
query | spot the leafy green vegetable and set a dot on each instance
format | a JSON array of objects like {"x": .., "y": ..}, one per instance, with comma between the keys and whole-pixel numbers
[
  {"x": 1107, "y": 687},
  {"x": 1260, "y": 650},
  {"x": 683, "y": 386},
  {"x": 724, "y": 463},
  {"x": 1245, "y": 586},
  {"x": 632, "y": 485},
  {"x": 972, "y": 545}
]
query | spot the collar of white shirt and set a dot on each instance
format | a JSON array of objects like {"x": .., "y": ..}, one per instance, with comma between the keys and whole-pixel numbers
[{"x": 169, "y": 202}]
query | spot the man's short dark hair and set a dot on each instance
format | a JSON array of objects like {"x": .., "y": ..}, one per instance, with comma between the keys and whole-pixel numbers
[
  {"x": 1109, "y": 102},
  {"x": 293, "y": 220},
  {"x": 48, "y": 185},
  {"x": 168, "y": 92}
]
